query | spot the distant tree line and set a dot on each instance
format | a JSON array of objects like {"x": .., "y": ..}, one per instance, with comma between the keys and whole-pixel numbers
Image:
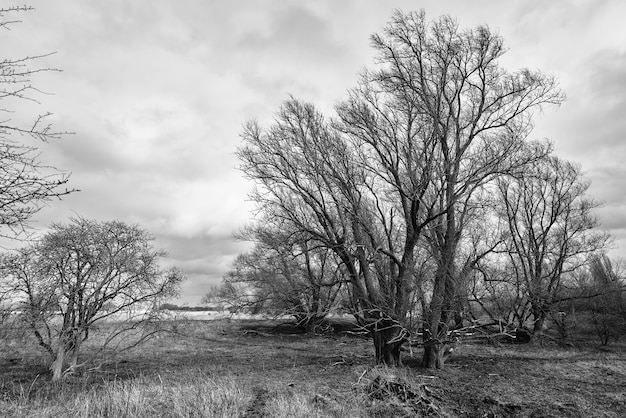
[{"x": 174, "y": 307}]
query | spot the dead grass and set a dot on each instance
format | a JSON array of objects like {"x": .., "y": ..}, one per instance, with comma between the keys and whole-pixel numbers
[
  {"x": 197, "y": 396},
  {"x": 245, "y": 369}
]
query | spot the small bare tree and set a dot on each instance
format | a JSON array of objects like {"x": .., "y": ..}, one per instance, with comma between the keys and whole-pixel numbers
[
  {"x": 284, "y": 274},
  {"x": 83, "y": 274},
  {"x": 25, "y": 182}
]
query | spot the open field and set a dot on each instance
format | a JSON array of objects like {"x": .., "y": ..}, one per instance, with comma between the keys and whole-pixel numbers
[{"x": 249, "y": 368}]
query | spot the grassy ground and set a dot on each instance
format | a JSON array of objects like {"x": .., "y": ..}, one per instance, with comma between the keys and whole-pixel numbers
[{"x": 248, "y": 369}]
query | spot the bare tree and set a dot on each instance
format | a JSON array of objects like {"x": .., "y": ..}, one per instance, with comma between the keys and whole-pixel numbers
[
  {"x": 285, "y": 274},
  {"x": 439, "y": 120},
  {"x": 312, "y": 181},
  {"x": 83, "y": 274},
  {"x": 400, "y": 170},
  {"x": 25, "y": 182},
  {"x": 599, "y": 297},
  {"x": 552, "y": 232}
]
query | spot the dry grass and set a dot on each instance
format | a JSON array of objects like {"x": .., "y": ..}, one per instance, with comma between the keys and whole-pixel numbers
[
  {"x": 198, "y": 396},
  {"x": 222, "y": 368}
]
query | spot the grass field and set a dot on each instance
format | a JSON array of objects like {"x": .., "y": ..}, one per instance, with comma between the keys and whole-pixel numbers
[{"x": 248, "y": 368}]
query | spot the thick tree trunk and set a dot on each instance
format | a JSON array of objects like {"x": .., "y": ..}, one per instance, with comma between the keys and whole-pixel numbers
[
  {"x": 388, "y": 335},
  {"x": 387, "y": 351},
  {"x": 435, "y": 327},
  {"x": 523, "y": 335},
  {"x": 433, "y": 356}
]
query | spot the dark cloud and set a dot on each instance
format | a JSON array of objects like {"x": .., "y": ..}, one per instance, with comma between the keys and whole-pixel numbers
[
  {"x": 293, "y": 31},
  {"x": 200, "y": 246}
]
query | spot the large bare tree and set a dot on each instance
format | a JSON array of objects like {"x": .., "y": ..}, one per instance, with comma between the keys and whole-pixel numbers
[
  {"x": 399, "y": 171},
  {"x": 311, "y": 181},
  {"x": 81, "y": 275},
  {"x": 439, "y": 119}
]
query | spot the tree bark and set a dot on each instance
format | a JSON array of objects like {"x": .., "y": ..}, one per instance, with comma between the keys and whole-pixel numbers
[
  {"x": 66, "y": 358},
  {"x": 388, "y": 335},
  {"x": 436, "y": 326},
  {"x": 433, "y": 356},
  {"x": 57, "y": 365},
  {"x": 537, "y": 333},
  {"x": 73, "y": 354}
]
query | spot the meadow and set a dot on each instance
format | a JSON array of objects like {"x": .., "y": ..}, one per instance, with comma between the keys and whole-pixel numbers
[{"x": 257, "y": 368}]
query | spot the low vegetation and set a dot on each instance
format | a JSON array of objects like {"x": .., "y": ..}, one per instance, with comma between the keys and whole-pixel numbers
[{"x": 257, "y": 368}]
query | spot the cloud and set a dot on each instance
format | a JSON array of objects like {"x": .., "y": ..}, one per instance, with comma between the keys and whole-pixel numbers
[
  {"x": 589, "y": 127},
  {"x": 607, "y": 186},
  {"x": 204, "y": 258},
  {"x": 293, "y": 31},
  {"x": 157, "y": 94},
  {"x": 613, "y": 217}
]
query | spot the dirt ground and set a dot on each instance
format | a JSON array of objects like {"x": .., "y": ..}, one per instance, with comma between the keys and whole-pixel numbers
[
  {"x": 495, "y": 380},
  {"x": 480, "y": 380}
]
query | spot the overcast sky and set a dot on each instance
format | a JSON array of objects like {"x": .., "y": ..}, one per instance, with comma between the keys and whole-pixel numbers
[{"x": 156, "y": 92}]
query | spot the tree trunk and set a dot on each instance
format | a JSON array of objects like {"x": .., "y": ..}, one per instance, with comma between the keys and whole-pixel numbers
[
  {"x": 435, "y": 330},
  {"x": 57, "y": 365},
  {"x": 387, "y": 352},
  {"x": 433, "y": 356},
  {"x": 73, "y": 355},
  {"x": 445, "y": 290},
  {"x": 388, "y": 335},
  {"x": 523, "y": 335},
  {"x": 66, "y": 358},
  {"x": 537, "y": 333}
]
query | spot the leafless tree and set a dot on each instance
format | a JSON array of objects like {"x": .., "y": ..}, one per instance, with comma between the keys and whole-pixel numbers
[
  {"x": 552, "y": 232},
  {"x": 401, "y": 168},
  {"x": 440, "y": 119},
  {"x": 84, "y": 274},
  {"x": 25, "y": 182},
  {"x": 601, "y": 301},
  {"x": 285, "y": 274},
  {"x": 311, "y": 180}
]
